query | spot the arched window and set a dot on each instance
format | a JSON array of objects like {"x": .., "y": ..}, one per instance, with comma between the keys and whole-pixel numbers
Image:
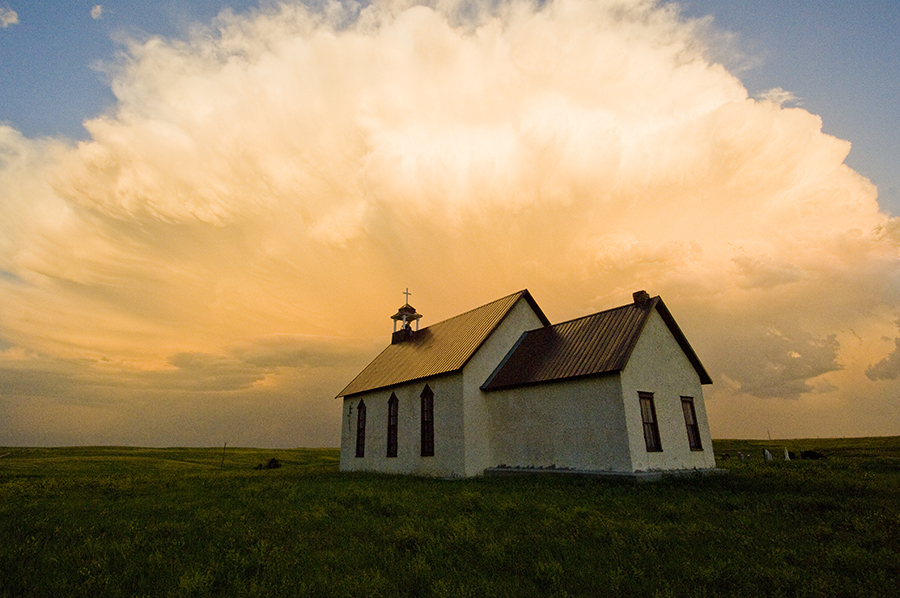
[
  {"x": 393, "y": 409},
  {"x": 427, "y": 422},
  {"x": 361, "y": 429}
]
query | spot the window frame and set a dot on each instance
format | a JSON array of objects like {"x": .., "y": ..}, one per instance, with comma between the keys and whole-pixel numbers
[
  {"x": 650, "y": 422},
  {"x": 361, "y": 429},
  {"x": 427, "y": 422},
  {"x": 392, "y": 425},
  {"x": 695, "y": 442}
]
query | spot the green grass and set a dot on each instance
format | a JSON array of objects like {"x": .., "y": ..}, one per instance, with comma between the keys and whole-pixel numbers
[{"x": 177, "y": 522}]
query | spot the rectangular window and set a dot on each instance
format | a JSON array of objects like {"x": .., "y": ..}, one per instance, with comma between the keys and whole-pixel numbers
[
  {"x": 648, "y": 417},
  {"x": 393, "y": 410},
  {"x": 690, "y": 421},
  {"x": 361, "y": 429},
  {"x": 427, "y": 422}
]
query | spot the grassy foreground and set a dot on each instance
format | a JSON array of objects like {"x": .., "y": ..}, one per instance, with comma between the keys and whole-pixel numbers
[{"x": 180, "y": 522}]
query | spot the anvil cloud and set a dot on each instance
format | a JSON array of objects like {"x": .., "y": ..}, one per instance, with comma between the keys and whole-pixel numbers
[{"x": 223, "y": 254}]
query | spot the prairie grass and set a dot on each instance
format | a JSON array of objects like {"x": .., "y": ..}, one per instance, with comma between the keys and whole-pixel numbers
[{"x": 181, "y": 522}]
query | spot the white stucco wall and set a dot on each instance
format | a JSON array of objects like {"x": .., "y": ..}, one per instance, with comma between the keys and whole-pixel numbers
[
  {"x": 575, "y": 424},
  {"x": 658, "y": 365},
  {"x": 448, "y": 430},
  {"x": 478, "y": 451}
]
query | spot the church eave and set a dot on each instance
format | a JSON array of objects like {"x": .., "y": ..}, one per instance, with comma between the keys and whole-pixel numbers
[
  {"x": 486, "y": 387},
  {"x": 395, "y": 385}
]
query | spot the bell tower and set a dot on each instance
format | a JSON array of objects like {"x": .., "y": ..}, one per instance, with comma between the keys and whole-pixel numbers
[{"x": 405, "y": 316}]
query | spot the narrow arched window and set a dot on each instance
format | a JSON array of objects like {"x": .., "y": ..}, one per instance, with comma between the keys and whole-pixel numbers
[
  {"x": 361, "y": 429},
  {"x": 393, "y": 410},
  {"x": 427, "y": 422}
]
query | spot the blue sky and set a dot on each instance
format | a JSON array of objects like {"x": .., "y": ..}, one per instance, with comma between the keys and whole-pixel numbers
[
  {"x": 51, "y": 73},
  {"x": 841, "y": 60}
]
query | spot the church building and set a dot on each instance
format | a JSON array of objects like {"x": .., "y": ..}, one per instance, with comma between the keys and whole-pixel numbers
[{"x": 499, "y": 388}]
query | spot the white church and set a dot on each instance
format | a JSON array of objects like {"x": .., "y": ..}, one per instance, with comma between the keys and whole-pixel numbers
[{"x": 499, "y": 388}]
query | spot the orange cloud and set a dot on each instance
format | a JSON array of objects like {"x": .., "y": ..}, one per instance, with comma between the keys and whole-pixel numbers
[{"x": 241, "y": 225}]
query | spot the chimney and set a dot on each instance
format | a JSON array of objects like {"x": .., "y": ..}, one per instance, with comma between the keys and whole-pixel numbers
[{"x": 641, "y": 298}]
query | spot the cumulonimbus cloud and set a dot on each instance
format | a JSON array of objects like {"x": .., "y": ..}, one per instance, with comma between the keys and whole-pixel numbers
[{"x": 280, "y": 176}]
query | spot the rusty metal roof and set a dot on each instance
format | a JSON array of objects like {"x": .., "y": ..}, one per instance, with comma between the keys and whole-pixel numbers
[
  {"x": 441, "y": 348},
  {"x": 597, "y": 344}
]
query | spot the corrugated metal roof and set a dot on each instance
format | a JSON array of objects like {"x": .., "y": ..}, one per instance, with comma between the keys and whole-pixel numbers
[
  {"x": 596, "y": 344},
  {"x": 438, "y": 349}
]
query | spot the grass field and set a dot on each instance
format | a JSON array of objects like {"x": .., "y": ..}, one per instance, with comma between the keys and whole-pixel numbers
[{"x": 183, "y": 522}]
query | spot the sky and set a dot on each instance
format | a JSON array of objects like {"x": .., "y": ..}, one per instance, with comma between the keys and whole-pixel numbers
[{"x": 210, "y": 210}]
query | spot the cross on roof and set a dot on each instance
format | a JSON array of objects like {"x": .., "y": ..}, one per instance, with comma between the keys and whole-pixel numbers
[{"x": 407, "y": 293}]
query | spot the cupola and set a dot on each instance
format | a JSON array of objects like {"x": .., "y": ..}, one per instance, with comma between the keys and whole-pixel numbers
[{"x": 405, "y": 316}]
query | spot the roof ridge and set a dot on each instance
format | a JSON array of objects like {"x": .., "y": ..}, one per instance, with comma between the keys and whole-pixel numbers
[
  {"x": 504, "y": 298},
  {"x": 651, "y": 303}
]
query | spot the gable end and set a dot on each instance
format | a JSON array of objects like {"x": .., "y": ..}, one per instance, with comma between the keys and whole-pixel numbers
[{"x": 682, "y": 341}]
